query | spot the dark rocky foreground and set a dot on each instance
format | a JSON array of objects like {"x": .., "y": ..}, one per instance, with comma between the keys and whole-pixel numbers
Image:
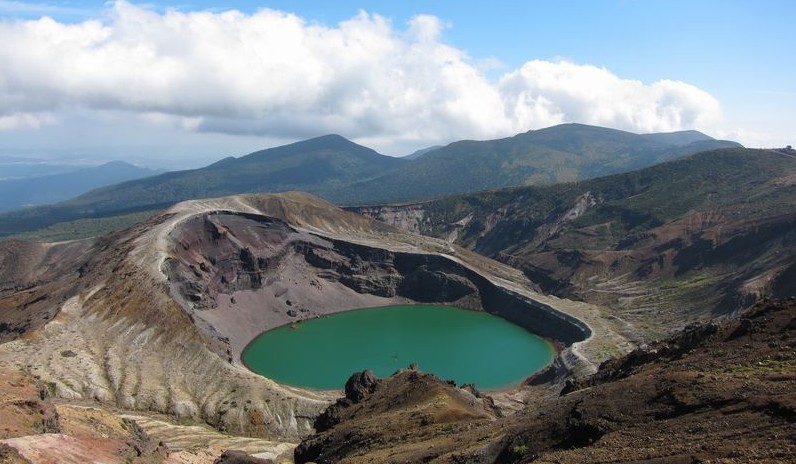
[{"x": 721, "y": 392}]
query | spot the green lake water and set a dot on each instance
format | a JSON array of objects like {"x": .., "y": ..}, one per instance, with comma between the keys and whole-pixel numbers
[{"x": 455, "y": 344}]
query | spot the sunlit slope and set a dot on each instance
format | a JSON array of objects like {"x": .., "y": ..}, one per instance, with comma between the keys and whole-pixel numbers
[{"x": 562, "y": 153}]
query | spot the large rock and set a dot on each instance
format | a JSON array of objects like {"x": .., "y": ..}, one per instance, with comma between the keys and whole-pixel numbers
[
  {"x": 360, "y": 385},
  {"x": 239, "y": 457}
]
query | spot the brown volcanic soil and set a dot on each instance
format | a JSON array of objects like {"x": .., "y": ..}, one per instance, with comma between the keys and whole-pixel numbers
[
  {"x": 406, "y": 418},
  {"x": 35, "y": 428},
  {"x": 714, "y": 393},
  {"x": 32, "y": 284},
  {"x": 22, "y": 407}
]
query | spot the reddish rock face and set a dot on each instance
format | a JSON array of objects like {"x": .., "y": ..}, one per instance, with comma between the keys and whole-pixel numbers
[
  {"x": 22, "y": 407},
  {"x": 226, "y": 253}
]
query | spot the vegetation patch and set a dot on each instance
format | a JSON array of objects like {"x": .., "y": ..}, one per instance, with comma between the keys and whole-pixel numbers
[{"x": 82, "y": 228}]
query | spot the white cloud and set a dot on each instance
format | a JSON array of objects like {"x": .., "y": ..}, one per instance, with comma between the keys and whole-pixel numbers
[
  {"x": 274, "y": 74},
  {"x": 542, "y": 92},
  {"x": 16, "y": 121}
]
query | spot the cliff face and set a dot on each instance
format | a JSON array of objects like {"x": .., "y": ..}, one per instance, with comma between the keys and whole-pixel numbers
[
  {"x": 408, "y": 218},
  {"x": 154, "y": 318},
  {"x": 242, "y": 274}
]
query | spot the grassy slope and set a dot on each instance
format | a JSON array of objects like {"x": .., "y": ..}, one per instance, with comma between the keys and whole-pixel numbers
[
  {"x": 317, "y": 165},
  {"x": 637, "y": 201},
  {"x": 557, "y": 154},
  {"x": 82, "y": 228}
]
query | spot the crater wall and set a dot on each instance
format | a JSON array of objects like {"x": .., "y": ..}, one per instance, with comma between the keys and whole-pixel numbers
[{"x": 227, "y": 264}]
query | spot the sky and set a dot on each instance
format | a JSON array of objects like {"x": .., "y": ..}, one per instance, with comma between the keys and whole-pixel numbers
[{"x": 180, "y": 84}]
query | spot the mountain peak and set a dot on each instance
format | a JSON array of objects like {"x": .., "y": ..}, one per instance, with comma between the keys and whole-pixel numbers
[
  {"x": 321, "y": 142},
  {"x": 330, "y": 138},
  {"x": 683, "y": 137}
]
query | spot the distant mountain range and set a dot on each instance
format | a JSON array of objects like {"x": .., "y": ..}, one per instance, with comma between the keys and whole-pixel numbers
[
  {"x": 346, "y": 173},
  {"x": 32, "y": 191},
  {"x": 418, "y": 153},
  {"x": 562, "y": 153},
  {"x": 320, "y": 165},
  {"x": 21, "y": 167}
]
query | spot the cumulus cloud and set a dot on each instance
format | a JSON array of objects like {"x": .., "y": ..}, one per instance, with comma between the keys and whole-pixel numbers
[
  {"x": 274, "y": 74},
  {"x": 541, "y": 92}
]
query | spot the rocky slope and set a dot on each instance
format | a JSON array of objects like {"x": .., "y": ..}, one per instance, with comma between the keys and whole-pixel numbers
[
  {"x": 714, "y": 393},
  {"x": 662, "y": 247},
  {"x": 151, "y": 320}
]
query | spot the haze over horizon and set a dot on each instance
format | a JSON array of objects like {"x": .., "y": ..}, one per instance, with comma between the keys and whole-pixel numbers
[{"x": 182, "y": 85}]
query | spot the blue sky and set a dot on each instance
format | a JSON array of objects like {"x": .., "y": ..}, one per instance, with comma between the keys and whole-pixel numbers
[{"x": 175, "y": 83}]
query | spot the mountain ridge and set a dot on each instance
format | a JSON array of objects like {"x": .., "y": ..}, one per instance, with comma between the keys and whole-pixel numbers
[
  {"x": 562, "y": 153},
  {"x": 344, "y": 172},
  {"x": 318, "y": 164},
  {"x": 52, "y": 188}
]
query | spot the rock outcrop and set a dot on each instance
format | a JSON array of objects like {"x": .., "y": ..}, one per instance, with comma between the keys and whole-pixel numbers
[
  {"x": 240, "y": 457},
  {"x": 360, "y": 385},
  {"x": 410, "y": 408}
]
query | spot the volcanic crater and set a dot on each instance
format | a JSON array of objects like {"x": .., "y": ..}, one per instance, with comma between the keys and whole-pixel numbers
[
  {"x": 240, "y": 274},
  {"x": 201, "y": 280}
]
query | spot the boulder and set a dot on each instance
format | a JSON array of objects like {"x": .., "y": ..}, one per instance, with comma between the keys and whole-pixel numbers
[
  {"x": 360, "y": 385},
  {"x": 239, "y": 457}
]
